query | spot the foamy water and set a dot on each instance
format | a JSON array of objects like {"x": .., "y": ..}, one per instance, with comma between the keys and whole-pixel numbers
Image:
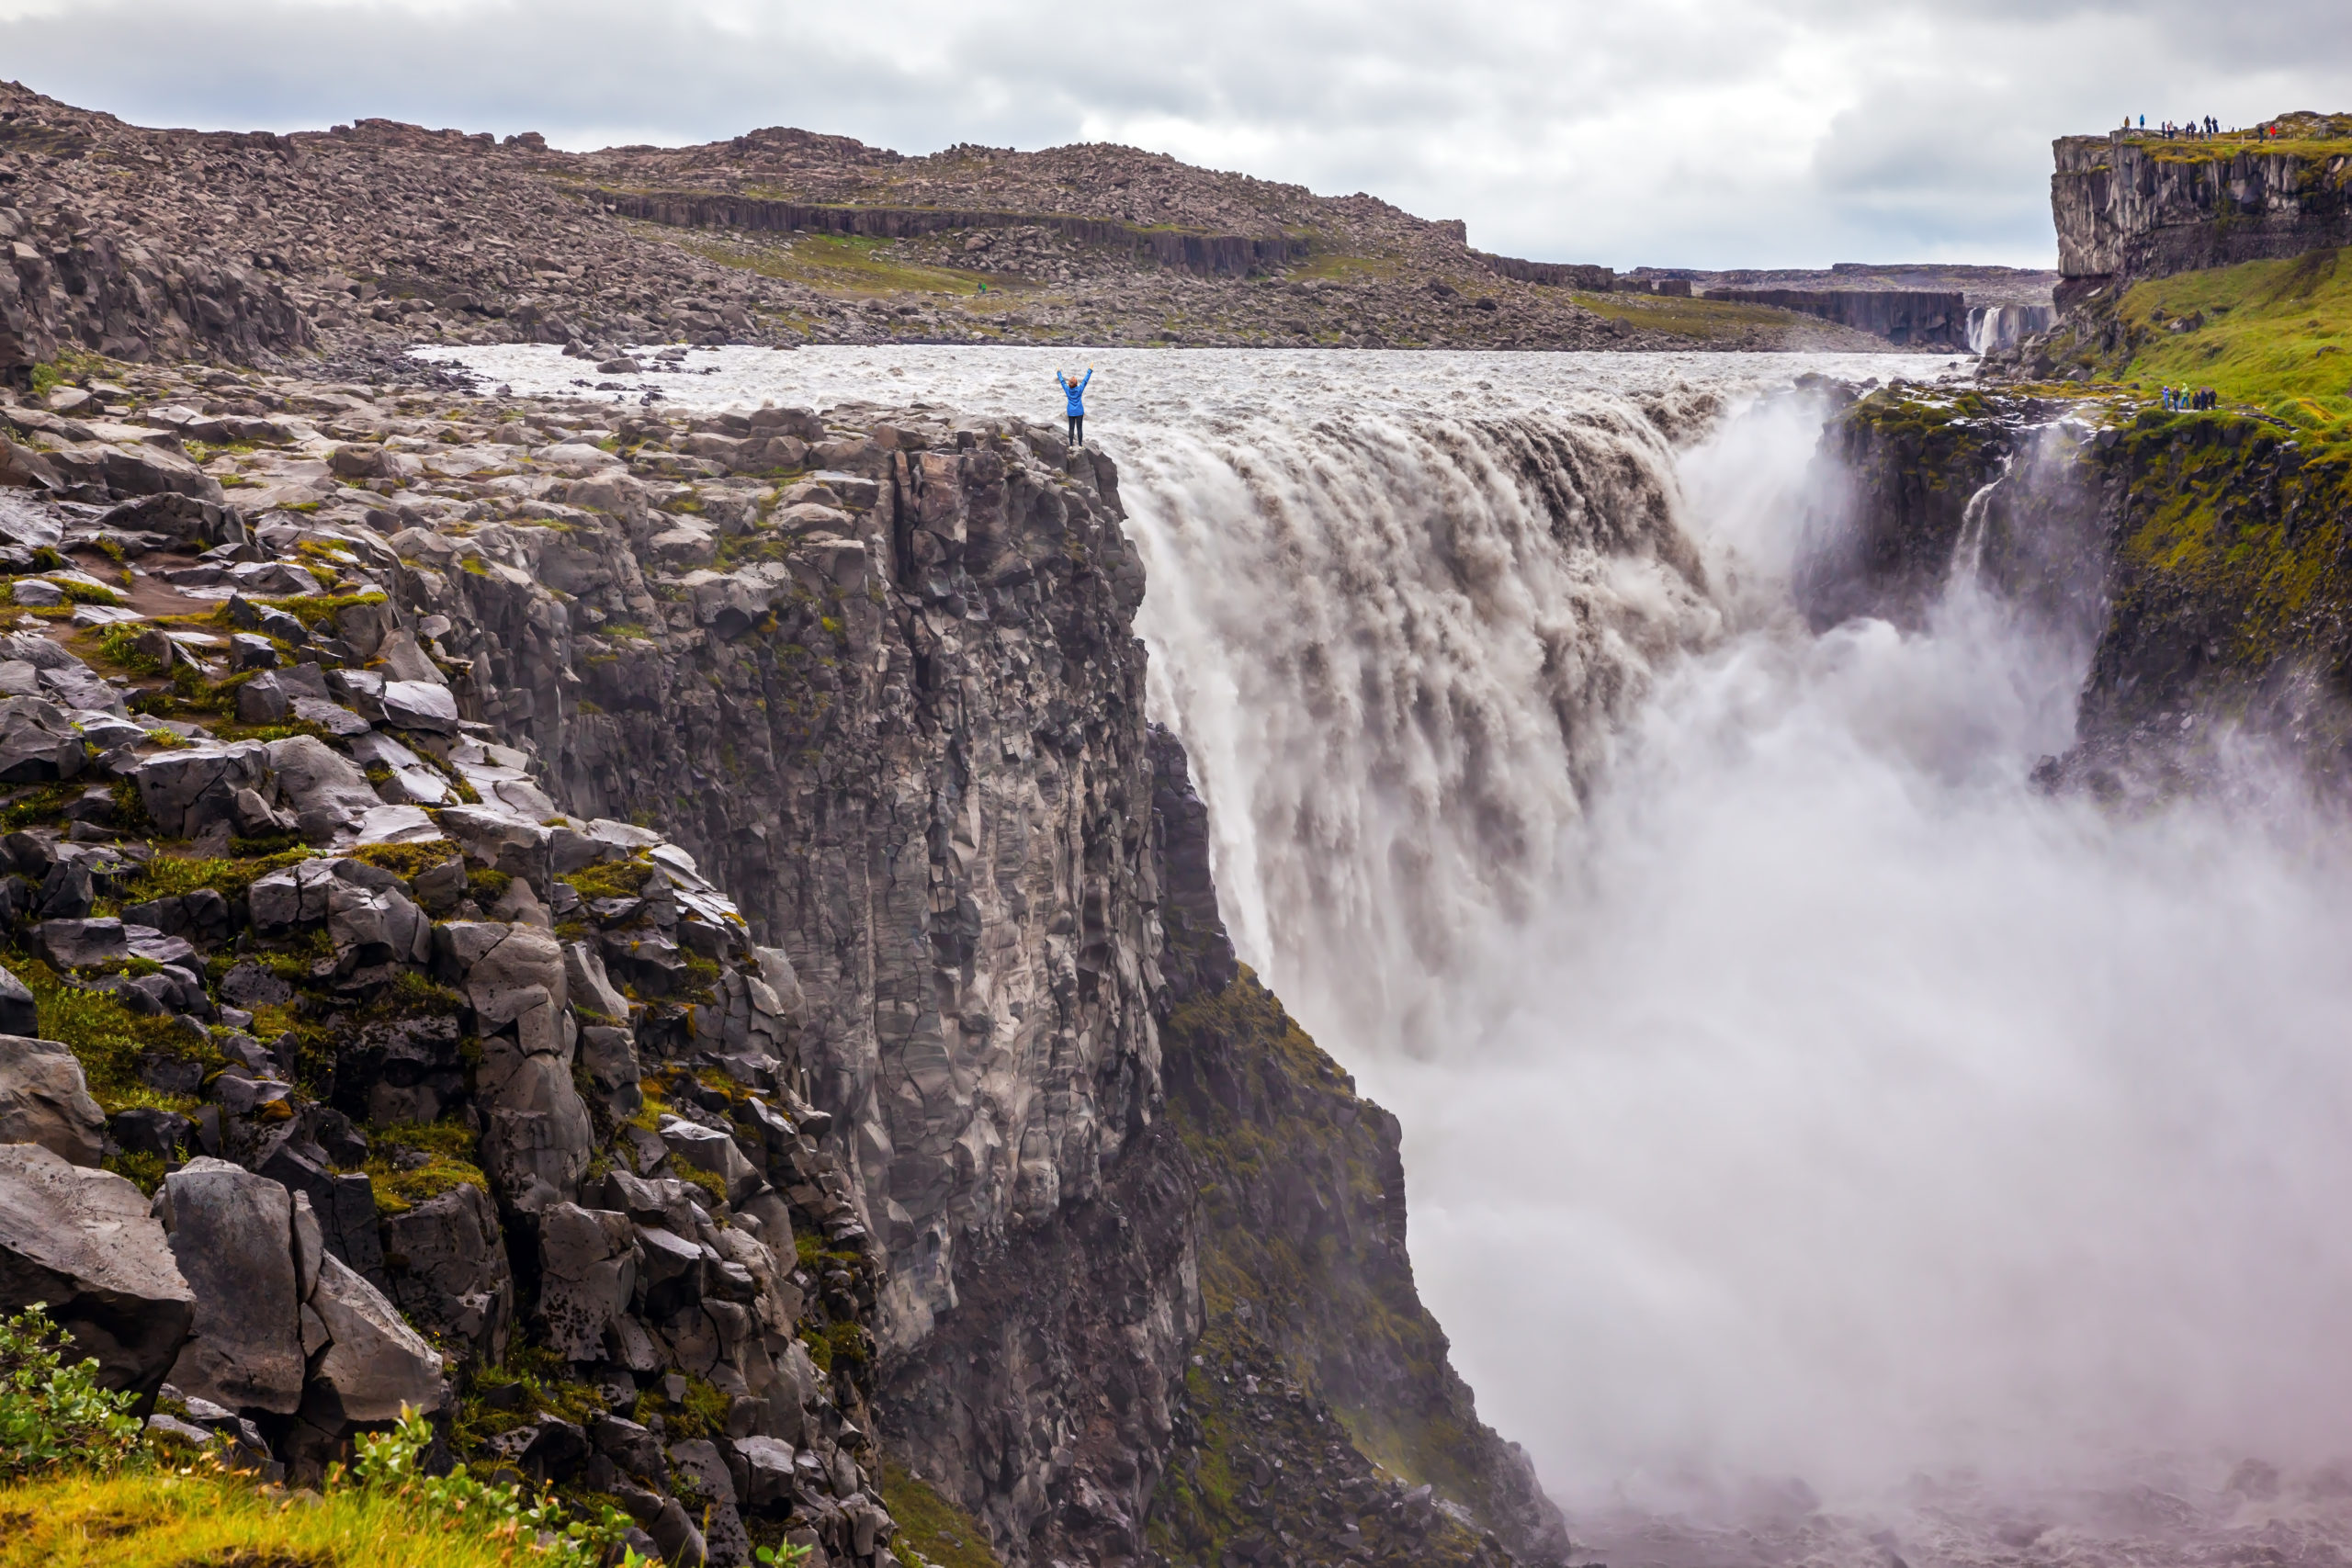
[{"x": 1822, "y": 1142}]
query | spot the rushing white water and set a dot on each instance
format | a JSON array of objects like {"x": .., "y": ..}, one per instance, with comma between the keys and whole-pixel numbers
[{"x": 1792, "y": 1089}]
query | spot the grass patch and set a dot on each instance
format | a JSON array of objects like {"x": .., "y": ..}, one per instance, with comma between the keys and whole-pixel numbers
[
  {"x": 2275, "y": 335},
  {"x": 611, "y": 879},
  {"x": 931, "y": 1528},
  {"x": 837, "y": 264},
  {"x": 173, "y": 877},
  {"x": 448, "y": 1148},
  {"x": 1697, "y": 318},
  {"x": 107, "y": 1039}
]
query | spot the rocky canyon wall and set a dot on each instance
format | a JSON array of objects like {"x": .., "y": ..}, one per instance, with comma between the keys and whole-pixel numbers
[
  {"x": 896, "y": 708},
  {"x": 2128, "y": 208}
]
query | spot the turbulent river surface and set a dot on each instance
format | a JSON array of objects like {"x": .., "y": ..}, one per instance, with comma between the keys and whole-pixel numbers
[{"x": 1825, "y": 1145}]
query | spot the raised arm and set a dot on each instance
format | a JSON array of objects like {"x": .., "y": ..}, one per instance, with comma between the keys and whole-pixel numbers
[{"x": 1082, "y": 380}]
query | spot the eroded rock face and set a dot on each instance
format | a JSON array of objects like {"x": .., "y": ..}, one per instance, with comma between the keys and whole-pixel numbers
[
  {"x": 45, "y": 1100},
  {"x": 84, "y": 1242}
]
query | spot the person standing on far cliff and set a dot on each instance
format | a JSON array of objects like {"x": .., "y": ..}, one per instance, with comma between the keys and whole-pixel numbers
[{"x": 1075, "y": 393}]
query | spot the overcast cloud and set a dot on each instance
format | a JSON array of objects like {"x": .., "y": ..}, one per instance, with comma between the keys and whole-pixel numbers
[{"x": 1672, "y": 132}]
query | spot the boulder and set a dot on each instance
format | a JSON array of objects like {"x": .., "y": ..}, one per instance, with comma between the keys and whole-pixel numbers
[
  {"x": 261, "y": 699},
  {"x": 547, "y": 1449},
  {"x": 375, "y": 1365},
  {"x": 232, "y": 1234},
  {"x": 78, "y": 943},
  {"x": 588, "y": 1263},
  {"x": 420, "y": 704},
  {"x": 723, "y": 1525},
  {"x": 707, "y": 1148},
  {"x": 447, "y": 1261},
  {"x": 375, "y": 925},
  {"x": 45, "y": 1100},
  {"x": 188, "y": 791},
  {"x": 590, "y": 988},
  {"x": 636, "y": 1452},
  {"x": 84, "y": 1241},
  {"x": 767, "y": 1466},
  {"x": 324, "y": 791},
  {"x": 536, "y": 1135},
  {"x": 38, "y": 742},
  {"x": 17, "y": 1010},
  {"x": 343, "y": 1207}
]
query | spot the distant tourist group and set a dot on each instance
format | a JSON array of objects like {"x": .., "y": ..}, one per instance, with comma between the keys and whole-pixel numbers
[
  {"x": 2182, "y": 399},
  {"x": 2199, "y": 128}
]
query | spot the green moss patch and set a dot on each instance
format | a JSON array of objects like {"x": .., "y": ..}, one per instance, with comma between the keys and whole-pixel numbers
[
  {"x": 931, "y": 1528},
  {"x": 108, "y": 1039}
]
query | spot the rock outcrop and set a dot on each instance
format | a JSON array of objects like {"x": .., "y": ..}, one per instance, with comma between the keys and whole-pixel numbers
[
  {"x": 691, "y": 908},
  {"x": 83, "y": 1242},
  {"x": 2199, "y": 559},
  {"x": 2129, "y": 205}
]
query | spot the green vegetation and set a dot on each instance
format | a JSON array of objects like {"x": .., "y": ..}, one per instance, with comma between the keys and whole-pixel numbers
[
  {"x": 52, "y": 1413},
  {"x": 2315, "y": 139},
  {"x": 1696, "y": 317},
  {"x": 931, "y": 1528},
  {"x": 107, "y": 1038},
  {"x": 2273, "y": 336},
  {"x": 841, "y": 264},
  {"x": 448, "y": 1149},
  {"x": 172, "y": 875}
]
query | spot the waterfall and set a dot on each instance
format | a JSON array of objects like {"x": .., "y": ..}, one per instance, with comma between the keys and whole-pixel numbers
[
  {"x": 1791, "y": 1089},
  {"x": 1992, "y": 327}
]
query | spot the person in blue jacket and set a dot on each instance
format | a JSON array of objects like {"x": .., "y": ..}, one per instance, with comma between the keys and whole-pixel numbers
[{"x": 1075, "y": 393}]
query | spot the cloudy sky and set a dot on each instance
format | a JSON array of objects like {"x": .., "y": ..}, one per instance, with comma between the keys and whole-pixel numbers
[{"x": 1672, "y": 132}]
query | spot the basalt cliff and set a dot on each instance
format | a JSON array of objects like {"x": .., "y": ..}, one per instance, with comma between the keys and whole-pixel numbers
[{"x": 671, "y": 944}]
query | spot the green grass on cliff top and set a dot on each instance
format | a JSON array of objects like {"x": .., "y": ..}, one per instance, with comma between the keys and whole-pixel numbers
[
  {"x": 2313, "y": 137},
  {"x": 2272, "y": 334},
  {"x": 1698, "y": 317}
]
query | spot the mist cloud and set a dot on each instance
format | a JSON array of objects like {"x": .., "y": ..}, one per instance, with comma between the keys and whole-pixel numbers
[{"x": 1788, "y": 133}]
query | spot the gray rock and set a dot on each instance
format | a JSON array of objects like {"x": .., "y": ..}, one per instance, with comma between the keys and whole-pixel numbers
[
  {"x": 19, "y": 1014},
  {"x": 405, "y": 661},
  {"x": 45, "y": 1100},
  {"x": 420, "y": 704},
  {"x": 375, "y": 925},
  {"x": 636, "y": 1451},
  {"x": 547, "y": 1449},
  {"x": 263, "y": 700},
  {"x": 331, "y": 717},
  {"x": 232, "y": 1234},
  {"x": 699, "y": 1458},
  {"x": 707, "y": 1148},
  {"x": 292, "y": 895},
  {"x": 610, "y": 1057},
  {"x": 188, "y": 791},
  {"x": 38, "y": 742},
  {"x": 84, "y": 1241},
  {"x": 375, "y": 1365},
  {"x": 77, "y": 944},
  {"x": 767, "y": 1465},
  {"x": 343, "y": 1208},
  {"x": 588, "y": 1260},
  {"x": 447, "y": 1261},
  {"x": 674, "y": 1533},
  {"x": 591, "y": 989},
  {"x": 323, "y": 789}
]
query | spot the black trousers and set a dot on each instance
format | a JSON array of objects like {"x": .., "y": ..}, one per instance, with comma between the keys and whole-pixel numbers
[{"x": 1077, "y": 430}]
